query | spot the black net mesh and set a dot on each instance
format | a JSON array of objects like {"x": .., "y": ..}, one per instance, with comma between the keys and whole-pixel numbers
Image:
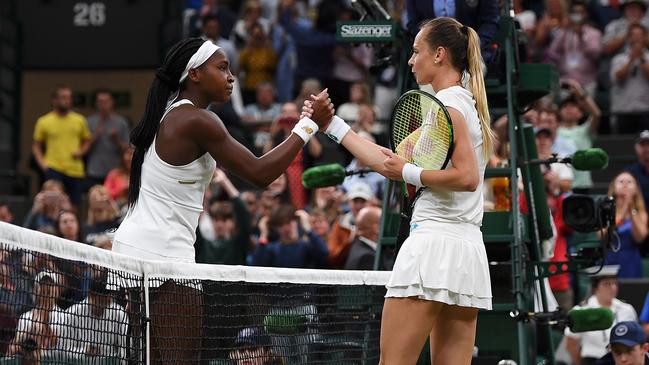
[{"x": 68, "y": 308}]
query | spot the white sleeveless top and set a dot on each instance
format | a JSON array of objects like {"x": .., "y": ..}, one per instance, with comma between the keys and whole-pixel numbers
[
  {"x": 443, "y": 205},
  {"x": 162, "y": 225}
]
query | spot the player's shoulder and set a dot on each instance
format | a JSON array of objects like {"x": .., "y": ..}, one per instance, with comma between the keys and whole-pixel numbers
[
  {"x": 196, "y": 122},
  {"x": 190, "y": 114},
  {"x": 456, "y": 97}
]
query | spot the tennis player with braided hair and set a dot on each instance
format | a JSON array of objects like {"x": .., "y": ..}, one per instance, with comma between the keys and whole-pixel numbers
[
  {"x": 177, "y": 146},
  {"x": 441, "y": 277}
]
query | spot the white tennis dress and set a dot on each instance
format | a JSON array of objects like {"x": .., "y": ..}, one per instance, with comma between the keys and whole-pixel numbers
[
  {"x": 444, "y": 258},
  {"x": 162, "y": 225}
]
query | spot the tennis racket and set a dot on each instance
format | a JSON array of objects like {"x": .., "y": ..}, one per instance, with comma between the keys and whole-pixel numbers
[{"x": 421, "y": 132}]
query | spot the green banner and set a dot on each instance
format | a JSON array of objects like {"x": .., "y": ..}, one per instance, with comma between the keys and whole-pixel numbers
[{"x": 366, "y": 31}]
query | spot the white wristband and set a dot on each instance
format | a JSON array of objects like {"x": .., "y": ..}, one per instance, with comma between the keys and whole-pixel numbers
[
  {"x": 412, "y": 174},
  {"x": 337, "y": 129},
  {"x": 305, "y": 128}
]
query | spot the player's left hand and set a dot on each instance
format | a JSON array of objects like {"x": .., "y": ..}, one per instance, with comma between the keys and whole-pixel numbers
[{"x": 393, "y": 165}]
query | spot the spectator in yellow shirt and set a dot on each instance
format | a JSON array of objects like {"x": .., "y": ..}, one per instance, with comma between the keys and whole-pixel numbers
[{"x": 65, "y": 137}]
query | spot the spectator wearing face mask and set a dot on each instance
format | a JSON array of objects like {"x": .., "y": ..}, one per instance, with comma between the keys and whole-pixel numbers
[{"x": 576, "y": 47}]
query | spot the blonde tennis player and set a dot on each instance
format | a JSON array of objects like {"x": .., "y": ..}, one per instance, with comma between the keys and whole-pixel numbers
[{"x": 441, "y": 277}]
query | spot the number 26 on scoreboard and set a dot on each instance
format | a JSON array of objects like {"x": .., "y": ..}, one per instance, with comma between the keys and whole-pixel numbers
[{"x": 89, "y": 14}]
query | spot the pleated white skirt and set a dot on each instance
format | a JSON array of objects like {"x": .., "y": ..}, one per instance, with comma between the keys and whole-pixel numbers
[{"x": 443, "y": 262}]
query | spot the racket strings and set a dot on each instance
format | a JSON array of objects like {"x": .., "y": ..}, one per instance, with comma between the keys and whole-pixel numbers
[{"x": 421, "y": 131}]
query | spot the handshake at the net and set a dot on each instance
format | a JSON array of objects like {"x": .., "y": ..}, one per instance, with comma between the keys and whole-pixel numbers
[{"x": 320, "y": 109}]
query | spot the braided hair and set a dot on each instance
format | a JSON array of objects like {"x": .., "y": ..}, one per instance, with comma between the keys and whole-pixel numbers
[{"x": 165, "y": 83}]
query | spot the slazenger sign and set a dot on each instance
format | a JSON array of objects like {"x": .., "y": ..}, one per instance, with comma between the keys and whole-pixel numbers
[{"x": 365, "y": 31}]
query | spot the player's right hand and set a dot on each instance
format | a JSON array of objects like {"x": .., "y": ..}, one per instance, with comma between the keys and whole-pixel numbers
[{"x": 323, "y": 109}]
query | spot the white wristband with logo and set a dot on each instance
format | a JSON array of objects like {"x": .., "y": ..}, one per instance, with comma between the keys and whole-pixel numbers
[
  {"x": 305, "y": 128},
  {"x": 337, "y": 129},
  {"x": 412, "y": 174}
]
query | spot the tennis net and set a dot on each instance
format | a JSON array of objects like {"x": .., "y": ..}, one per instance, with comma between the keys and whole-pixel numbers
[{"x": 63, "y": 302}]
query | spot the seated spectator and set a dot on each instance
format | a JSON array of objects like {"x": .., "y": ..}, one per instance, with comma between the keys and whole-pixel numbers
[
  {"x": 373, "y": 179},
  {"x": 284, "y": 47},
  {"x": 116, "y": 182},
  {"x": 558, "y": 177},
  {"x": 102, "y": 218},
  {"x": 212, "y": 8},
  {"x": 640, "y": 169},
  {"x": 587, "y": 347},
  {"x": 95, "y": 327},
  {"x": 547, "y": 117},
  {"x": 6, "y": 215},
  {"x": 363, "y": 249},
  {"x": 231, "y": 226},
  {"x": 575, "y": 48},
  {"x": 631, "y": 221},
  {"x": 351, "y": 66},
  {"x": 252, "y": 346},
  {"x": 47, "y": 205},
  {"x": 280, "y": 130},
  {"x": 320, "y": 223},
  {"x": 616, "y": 33},
  {"x": 38, "y": 330},
  {"x": 308, "y": 87},
  {"x": 329, "y": 200},
  {"x": 630, "y": 83},
  {"x": 15, "y": 299},
  {"x": 554, "y": 18},
  {"x": 366, "y": 122},
  {"x": 628, "y": 345},
  {"x": 257, "y": 62},
  {"x": 572, "y": 111},
  {"x": 343, "y": 231},
  {"x": 109, "y": 139},
  {"x": 75, "y": 273},
  {"x": 314, "y": 43},
  {"x": 297, "y": 246},
  {"x": 212, "y": 31},
  {"x": 252, "y": 203},
  {"x": 560, "y": 284},
  {"x": 359, "y": 94},
  {"x": 242, "y": 30},
  {"x": 276, "y": 194},
  {"x": 15, "y": 288},
  {"x": 264, "y": 109}
]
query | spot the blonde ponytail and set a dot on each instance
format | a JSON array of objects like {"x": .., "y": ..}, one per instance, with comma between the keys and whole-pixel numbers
[{"x": 477, "y": 88}]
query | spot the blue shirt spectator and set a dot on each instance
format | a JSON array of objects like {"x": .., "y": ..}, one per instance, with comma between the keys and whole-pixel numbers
[
  {"x": 290, "y": 249},
  {"x": 481, "y": 15}
]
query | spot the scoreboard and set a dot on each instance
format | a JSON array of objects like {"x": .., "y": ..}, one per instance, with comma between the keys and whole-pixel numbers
[{"x": 98, "y": 34}]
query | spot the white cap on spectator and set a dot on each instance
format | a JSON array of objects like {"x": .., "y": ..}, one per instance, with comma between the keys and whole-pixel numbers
[
  {"x": 643, "y": 137},
  {"x": 360, "y": 190},
  {"x": 606, "y": 271},
  {"x": 47, "y": 273}
]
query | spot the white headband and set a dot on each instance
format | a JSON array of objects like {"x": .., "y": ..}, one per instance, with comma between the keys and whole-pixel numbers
[{"x": 206, "y": 50}]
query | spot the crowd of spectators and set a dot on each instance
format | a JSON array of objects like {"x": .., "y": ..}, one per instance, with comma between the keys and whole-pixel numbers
[{"x": 281, "y": 52}]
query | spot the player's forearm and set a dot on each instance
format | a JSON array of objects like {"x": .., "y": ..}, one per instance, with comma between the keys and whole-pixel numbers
[
  {"x": 366, "y": 152},
  {"x": 455, "y": 179}
]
